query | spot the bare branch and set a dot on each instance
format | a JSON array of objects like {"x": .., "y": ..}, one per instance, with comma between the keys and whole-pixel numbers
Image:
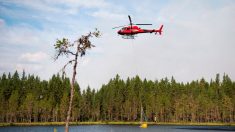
[
  {"x": 64, "y": 67},
  {"x": 70, "y": 52}
]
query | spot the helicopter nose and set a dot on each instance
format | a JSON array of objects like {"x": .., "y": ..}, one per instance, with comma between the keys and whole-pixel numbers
[{"x": 119, "y": 32}]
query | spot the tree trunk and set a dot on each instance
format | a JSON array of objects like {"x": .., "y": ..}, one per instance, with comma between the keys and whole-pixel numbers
[{"x": 71, "y": 93}]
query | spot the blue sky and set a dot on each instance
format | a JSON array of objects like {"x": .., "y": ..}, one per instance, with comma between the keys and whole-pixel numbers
[{"x": 197, "y": 41}]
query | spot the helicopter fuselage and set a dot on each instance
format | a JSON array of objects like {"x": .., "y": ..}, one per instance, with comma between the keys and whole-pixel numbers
[{"x": 132, "y": 30}]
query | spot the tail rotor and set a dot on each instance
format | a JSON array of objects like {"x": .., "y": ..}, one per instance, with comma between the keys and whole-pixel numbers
[{"x": 159, "y": 30}]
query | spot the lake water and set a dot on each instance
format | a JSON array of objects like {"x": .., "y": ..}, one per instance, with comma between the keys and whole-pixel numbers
[{"x": 119, "y": 128}]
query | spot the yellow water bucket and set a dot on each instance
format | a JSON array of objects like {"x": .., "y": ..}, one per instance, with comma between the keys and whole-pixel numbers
[{"x": 143, "y": 125}]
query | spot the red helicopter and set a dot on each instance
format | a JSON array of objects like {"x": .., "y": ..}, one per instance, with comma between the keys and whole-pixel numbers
[{"x": 129, "y": 31}]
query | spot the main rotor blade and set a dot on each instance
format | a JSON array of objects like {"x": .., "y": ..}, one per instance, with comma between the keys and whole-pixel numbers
[
  {"x": 143, "y": 24},
  {"x": 118, "y": 26},
  {"x": 130, "y": 19},
  {"x": 130, "y": 22}
]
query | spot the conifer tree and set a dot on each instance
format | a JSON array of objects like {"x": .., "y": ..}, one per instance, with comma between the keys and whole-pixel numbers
[
  {"x": 13, "y": 105},
  {"x": 76, "y": 49}
]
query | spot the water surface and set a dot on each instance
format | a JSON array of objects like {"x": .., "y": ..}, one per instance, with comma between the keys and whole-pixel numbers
[{"x": 119, "y": 128}]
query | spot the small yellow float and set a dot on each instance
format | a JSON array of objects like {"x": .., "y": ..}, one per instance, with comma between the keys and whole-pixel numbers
[{"x": 143, "y": 124}]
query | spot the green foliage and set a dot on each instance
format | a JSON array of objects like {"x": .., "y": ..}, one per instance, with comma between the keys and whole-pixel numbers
[
  {"x": 64, "y": 106},
  {"x": 30, "y": 99}
]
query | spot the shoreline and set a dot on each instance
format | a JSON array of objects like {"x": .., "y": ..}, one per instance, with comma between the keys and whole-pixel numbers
[{"x": 117, "y": 123}]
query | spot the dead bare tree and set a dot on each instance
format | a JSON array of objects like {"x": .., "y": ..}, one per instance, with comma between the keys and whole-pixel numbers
[{"x": 76, "y": 49}]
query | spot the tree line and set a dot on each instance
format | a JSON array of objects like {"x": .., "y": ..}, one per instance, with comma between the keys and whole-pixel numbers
[{"x": 27, "y": 98}]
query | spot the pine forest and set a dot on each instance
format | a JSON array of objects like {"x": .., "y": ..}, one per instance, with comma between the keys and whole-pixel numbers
[{"x": 27, "y": 98}]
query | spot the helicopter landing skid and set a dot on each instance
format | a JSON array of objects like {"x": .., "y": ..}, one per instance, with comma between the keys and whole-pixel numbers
[{"x": 128, "y": 37}]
